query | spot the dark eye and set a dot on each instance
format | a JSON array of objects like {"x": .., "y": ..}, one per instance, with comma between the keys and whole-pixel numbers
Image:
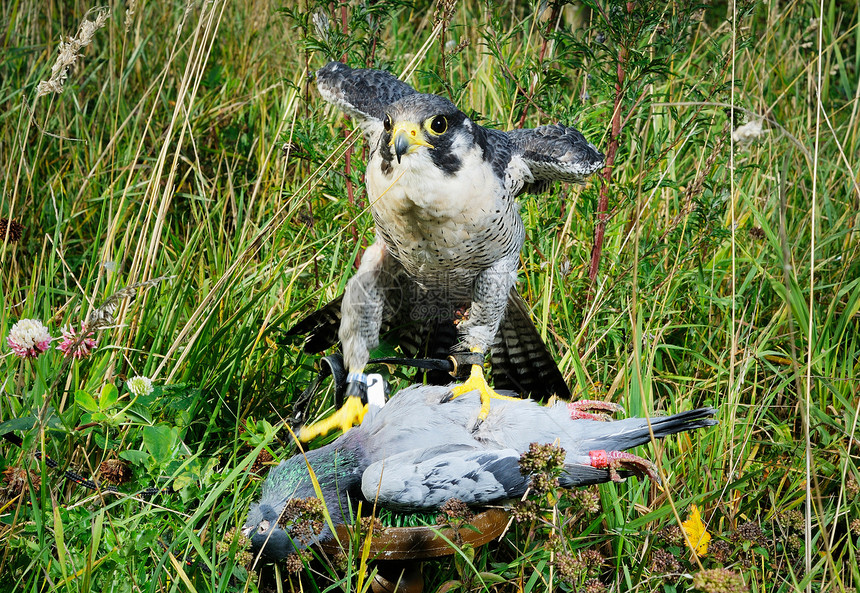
[
  {"x": 386, "y": 123},
  {"x": 439, "y": 124}
]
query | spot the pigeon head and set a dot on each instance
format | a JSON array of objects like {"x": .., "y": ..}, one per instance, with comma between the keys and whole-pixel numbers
[
  {"x": 267, "y": 537},
  {"x": 290, "y": 517}
]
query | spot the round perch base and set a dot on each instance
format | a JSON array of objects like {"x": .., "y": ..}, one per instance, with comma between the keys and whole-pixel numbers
[{"x": 397, "y": 551}]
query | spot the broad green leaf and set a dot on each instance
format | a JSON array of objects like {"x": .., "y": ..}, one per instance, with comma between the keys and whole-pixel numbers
[
  {"x": 86, "y": 401},
  {"x": 134, "y": 456},
  {"x": 108, "y": 396},
  {"x": 15, "y": 424},
  {"x": 159, "y": 441}
]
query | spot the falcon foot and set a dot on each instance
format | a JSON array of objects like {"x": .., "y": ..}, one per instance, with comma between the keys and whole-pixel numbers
[
  {"x": 477, "y": 382},
  {"x": 592, "y": 409},
  {"x": 615, "y": 460},
  {"x": 350, "y": 414}
]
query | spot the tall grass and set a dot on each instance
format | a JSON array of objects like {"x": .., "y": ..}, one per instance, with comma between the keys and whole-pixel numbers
[{"x": 187, "y": 142}]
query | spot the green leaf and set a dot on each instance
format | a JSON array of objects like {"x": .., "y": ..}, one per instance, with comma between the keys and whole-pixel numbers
[
  {"x": 15, "y": 424},
  {"x": 183, "y": 480},
  {"x": 134, "y": 456},
  {"x": 86, "y": 401},
  {"x": 108, "y": 396},
  {"x": 159, "y": 441},
  {"x": 490, "y": 577}
]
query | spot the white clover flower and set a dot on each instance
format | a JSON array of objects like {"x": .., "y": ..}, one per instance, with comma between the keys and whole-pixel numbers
[
  {"x": 29, "y": 338},
  {"x": 139, "y": 385}
]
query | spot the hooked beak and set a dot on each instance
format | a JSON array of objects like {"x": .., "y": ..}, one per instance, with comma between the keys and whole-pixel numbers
[{"x": 406, "y": 138}]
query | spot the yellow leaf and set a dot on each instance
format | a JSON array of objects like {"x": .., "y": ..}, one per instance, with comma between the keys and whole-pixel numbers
[{"x": 697, "y": 533}]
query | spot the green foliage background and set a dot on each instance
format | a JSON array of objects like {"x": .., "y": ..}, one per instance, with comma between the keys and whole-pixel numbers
[{"x": 189, "y": 142}]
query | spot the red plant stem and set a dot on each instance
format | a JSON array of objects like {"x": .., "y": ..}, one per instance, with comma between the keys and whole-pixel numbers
[
  {"x": 347, "y": 165},
  {"x": 611, "y": 150}
]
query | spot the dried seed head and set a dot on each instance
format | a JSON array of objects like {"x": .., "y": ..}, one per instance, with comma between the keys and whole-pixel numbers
[
  {"x": 720, "y": 550},
  {"x": 303, "y": 518},
  {"x": 671, "y": 534},
  {"x": 663, "y": 562},
  {"x": 852, "y": 489},
  {"x": 15, "y": 480},
  {"x": 114, "y": 471},
  {"x": 541, "y": 458},
  {"x": 570, "y": 568},
  {"x": 454, "y": 510},
  {"x": 589, "y": 499},
  {"x": 749, "y": 532},
  {"x": 261, "y": 462},
  {"x": 719, "y": 580},
  {"x": 593, "y": 586},
  {"x": 13, "y": 228},
  {"x": 293, "y": 564},
  {"x": 757, "y": 232}
]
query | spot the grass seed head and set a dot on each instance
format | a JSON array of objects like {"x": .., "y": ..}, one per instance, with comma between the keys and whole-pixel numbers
[{"x": 69, "y": 51}]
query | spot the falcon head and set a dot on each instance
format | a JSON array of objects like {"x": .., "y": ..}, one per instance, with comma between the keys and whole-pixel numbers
[{"x": 426, "y": 124}]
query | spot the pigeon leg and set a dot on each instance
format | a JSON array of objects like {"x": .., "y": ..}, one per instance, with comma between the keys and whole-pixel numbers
[
  {"x": 350, "y": 414},
  {"x": 615, "y": 460},
  {"x": 477, "y": 382},
  {"x": 592, "y": 409}
]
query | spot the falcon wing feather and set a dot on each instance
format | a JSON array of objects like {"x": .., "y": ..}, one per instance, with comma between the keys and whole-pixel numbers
[
  {"x": 556, "y": 153},
  {"x": 361, "y": 94},
  {"x": 521, "y": 361}
]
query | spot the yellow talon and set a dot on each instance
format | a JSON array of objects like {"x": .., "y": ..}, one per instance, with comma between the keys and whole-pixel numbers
[
  {"x": 350, "y": 414},
  {"x": 477, "y": 382}
]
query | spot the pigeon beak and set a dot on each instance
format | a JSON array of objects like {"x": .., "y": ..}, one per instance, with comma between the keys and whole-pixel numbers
[{"x": 406, "y": 138}]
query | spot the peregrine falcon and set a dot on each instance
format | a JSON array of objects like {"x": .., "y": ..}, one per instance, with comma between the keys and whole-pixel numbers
[{"x": 442, "y": 193}]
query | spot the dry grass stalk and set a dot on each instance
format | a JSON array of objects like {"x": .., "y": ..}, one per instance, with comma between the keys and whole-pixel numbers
[{"x": 69, "y": 52}]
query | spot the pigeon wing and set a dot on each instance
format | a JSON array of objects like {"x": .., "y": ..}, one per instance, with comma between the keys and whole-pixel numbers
[{"x": 427, "y": 478}]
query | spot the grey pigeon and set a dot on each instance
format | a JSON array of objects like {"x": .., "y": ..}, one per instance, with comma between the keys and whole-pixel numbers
[
  {"x": 442, "y": 190},
  {"x": 419, "y": 451}
]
